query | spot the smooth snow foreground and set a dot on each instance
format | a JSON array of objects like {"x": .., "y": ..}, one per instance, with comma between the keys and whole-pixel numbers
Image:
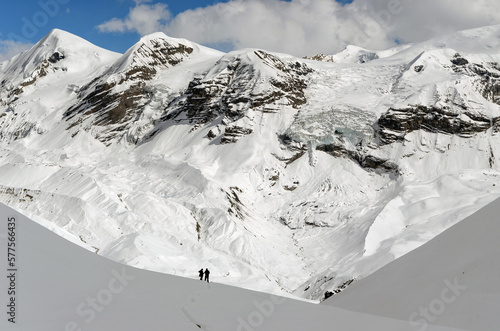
[
  {"x": 453, "y": 280},
  {"x": 61, "y": 286}
]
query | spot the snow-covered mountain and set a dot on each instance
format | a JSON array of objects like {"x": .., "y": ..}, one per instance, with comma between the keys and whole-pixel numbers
[{"x": 280, "y": 174}]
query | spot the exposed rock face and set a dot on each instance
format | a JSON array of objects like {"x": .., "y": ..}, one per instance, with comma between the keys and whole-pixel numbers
[
  {"x": 114, "y": 100},
  {"x": 44, "y": 67},
  {"x": 233, "y": 133},
  {"x": 458, "y": 60},
  {"x": 454, "y": 118},
  {"x": 366, "y": 161},
  {"x": 19, "y": 125},
  {"x": 151, "y": 56},
  {"x": 487, "y": 76},
  {"x": 239, "y": 86},
  {"x": 107, "y": 108},
  {"x": 338, "y": 149},
  {"x": 320, "y": 57},
  {"x": 418, "y": 68},
  {"x": 396, "y": 123},
  {"x": 160, "y": 52},
  {"x": 10, "y": 127},
  {"x": 56, "y": 57},
  {"x": 41, "y": 71}
]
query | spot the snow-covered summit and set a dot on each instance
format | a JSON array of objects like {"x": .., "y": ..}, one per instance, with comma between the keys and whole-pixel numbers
[
  {"x": 157, "y": 50},
  {"x": 57, "y": 51},
  {"x": 483, "y": 40}
]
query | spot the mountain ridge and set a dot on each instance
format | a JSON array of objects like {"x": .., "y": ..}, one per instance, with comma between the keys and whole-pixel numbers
[{"x": 260, "y": 164}]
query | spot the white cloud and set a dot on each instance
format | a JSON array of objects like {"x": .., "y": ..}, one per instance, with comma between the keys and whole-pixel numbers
[
  {"x": 142, "y": 18},
  {"x": 291, "y": 27},
  {"x": 305, "y": 27},
  {"x": 423, "y": 19},
  {"x": 9, "y": 48}
]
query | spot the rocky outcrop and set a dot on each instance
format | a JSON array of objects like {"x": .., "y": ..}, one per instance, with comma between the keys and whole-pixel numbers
[
  {"x": 365, "y": 160},
  {"x": 339, "y": 289},
  {"x": 458, "y": 60},
  {"x": 102, "y": 97},
  {"x": 47, "y": 65},
  {"x": 56, "y": 57},
  {"x": 487, "y": 76},
  {"x": 233, "y": 133},
  {"x": 151, "y": 56},
  {"x": 239, "y": 87},
  {"x": 338, "y": 149},
  {"x": 396, "y": 123},
  {"x": 114, "y": 100},
  {"x": 419, "y": 68},
  {"x": 320, "y": 57},
  {"x": 16, "y": 126}
]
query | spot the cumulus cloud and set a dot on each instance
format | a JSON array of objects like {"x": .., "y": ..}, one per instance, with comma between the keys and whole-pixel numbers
[
  {"x": 143, "y": 18},
  {"x": 412, "y": 21},
  {"x": 306, "y": 27},
  {"x": 291, "y": 27},
  {"x": 9, "y": 48}
]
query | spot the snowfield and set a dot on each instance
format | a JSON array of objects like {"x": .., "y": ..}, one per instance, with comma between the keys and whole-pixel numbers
[
  {"x": 283, "y": 175},
  {"x": 451, "y": 281},
  {"x": 60, "y": 286}
]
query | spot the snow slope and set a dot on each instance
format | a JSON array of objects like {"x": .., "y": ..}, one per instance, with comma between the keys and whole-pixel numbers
[
  {"x": 453, "y": 280},
  {"x": 60, "y": 286},
  {"x": 283, "y": 175}
]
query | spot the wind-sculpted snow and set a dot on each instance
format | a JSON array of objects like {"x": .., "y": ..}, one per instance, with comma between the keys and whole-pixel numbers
[{"x": 279, "y": 174}]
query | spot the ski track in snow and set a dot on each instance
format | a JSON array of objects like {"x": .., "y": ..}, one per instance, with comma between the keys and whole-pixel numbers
[{"x": 192, "y": 300}]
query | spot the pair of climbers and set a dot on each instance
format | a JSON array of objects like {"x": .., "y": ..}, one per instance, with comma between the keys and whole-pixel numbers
[{"x": 206, "y": 273}]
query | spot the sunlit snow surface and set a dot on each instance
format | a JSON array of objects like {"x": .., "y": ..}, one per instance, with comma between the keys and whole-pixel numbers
[
  {"x": 179, "y": 201},
  {"x": 60, "y": 286},
  {"x": 452, "y": 280}
]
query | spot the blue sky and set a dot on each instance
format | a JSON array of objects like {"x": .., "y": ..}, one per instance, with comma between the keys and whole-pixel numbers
[
  {"x": 297, "y": 27},
  {"x": 78, "y": 17},
  {"x": 26, "y": 22}
]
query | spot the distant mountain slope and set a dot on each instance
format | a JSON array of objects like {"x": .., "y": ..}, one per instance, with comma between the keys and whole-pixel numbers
[
  {"x": 452, "y": 280},
  {"x": 60, "y": 286},
  {"x": 285, "y": 175}
]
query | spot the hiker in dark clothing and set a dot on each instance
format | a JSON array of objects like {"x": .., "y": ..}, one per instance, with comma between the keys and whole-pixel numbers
[
  {"x": 201, "y": 273},
  {"x": 207, "y": 274}
]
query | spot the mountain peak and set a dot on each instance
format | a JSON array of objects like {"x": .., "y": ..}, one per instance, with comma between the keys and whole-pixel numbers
[
  {"x": 55, "y": 46},
  {"x": 159, "y": 50},
  {"x": 162, "y": 35},
  {"x": 60, "y": 53},
  {"x": 61, "y": 35},
  {"x": 62, "y": 40}
]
